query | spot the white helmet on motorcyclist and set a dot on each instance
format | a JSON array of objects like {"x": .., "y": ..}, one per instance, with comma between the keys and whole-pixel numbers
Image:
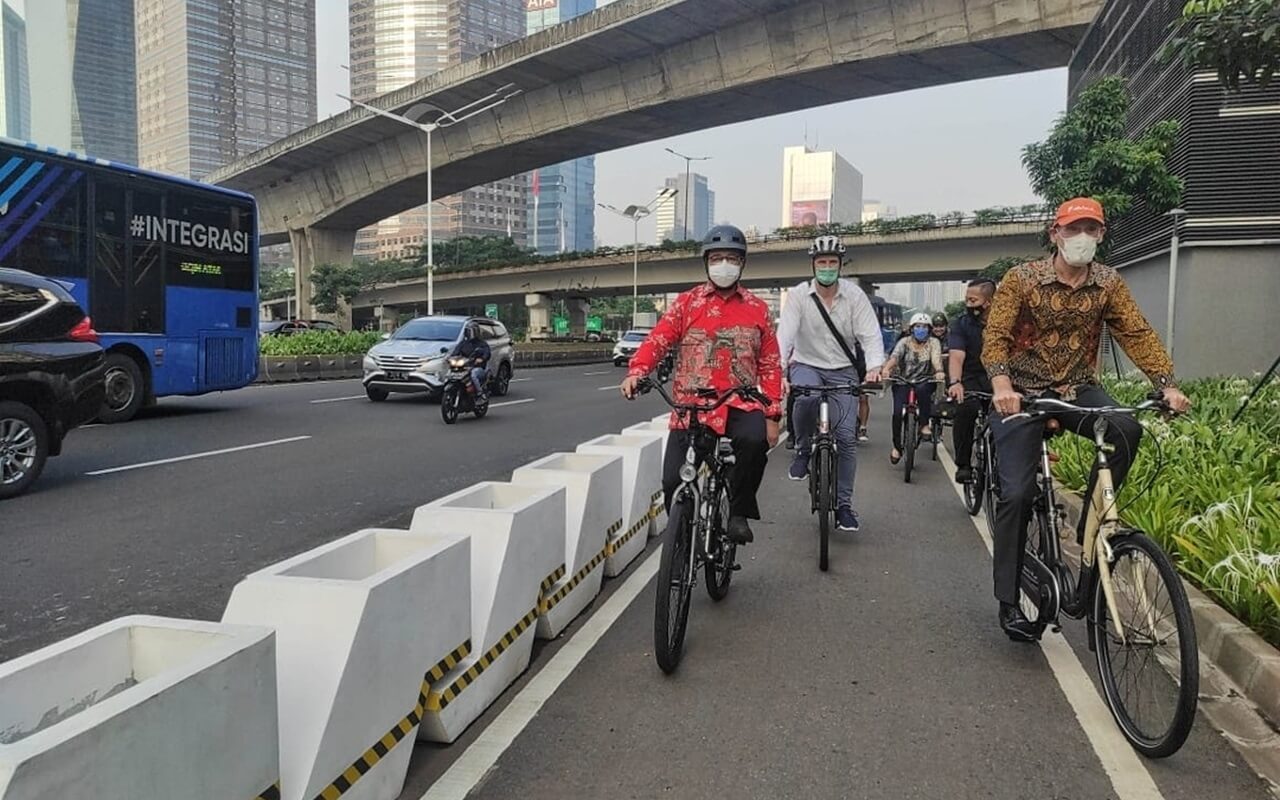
[{"x": 921, "y": 319}]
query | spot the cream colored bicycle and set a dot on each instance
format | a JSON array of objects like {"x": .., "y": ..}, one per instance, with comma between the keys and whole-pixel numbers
[{"x": 1140, "y": 625}]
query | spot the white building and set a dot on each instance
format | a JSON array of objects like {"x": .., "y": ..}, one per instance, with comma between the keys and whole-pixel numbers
[{"x": 818, "y": 188}]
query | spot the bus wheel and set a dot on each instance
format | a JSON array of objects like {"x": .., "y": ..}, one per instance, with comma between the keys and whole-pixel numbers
[{"x": 126, "y": 390}]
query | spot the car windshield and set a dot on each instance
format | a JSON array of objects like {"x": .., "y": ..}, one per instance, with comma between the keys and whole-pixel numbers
[
  {"x": 429, "y": 330},
  {"x": 635, "y": 336}
]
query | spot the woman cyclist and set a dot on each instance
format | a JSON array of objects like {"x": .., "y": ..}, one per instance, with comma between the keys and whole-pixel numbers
[{"x": 914, "y": 359}]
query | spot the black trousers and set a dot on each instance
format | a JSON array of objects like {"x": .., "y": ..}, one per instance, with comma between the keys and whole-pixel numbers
[
  {"x": 750, "y": 449},
  {"x": 966, "y": 419},
  {"x": 1018, "y": 453}
]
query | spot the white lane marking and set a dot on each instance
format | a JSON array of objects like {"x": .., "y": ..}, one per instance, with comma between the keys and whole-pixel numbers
[
  {"x": 484, "y": 752},
  {"x": 339, "y": 399},
  {"x": 615, "y": 387},
  {"x": 1126, "y": 771},
  {"x": 519, "y": 380},
  {"x": 599, "y": 372},
  {"x": 512, "y": 402},
  {"x": 197, "y": 455},
  {"x": 92, "y": 425}
]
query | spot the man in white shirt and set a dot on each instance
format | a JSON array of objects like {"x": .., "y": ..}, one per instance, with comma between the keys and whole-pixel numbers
[{"x": 818, "y": 358}]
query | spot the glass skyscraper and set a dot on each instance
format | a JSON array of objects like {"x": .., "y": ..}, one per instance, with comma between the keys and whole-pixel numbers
[
  {"x": 104, "y": 121},
  {"x": 218, "y": 80},
  {"x": 562, "y": 211},
  {"x": 15, "y": 100},
  {"x": 693, "y": 192}
]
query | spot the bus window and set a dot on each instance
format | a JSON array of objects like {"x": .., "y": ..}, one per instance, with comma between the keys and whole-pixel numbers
[
  {"x": 55, "y": 245},
  {"x": 214, "y": 242},
  {"x": 109, "y": 278},
  {"x": 146, "y": 268}
]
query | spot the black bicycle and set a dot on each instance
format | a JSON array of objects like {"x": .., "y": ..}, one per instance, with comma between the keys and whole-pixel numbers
[
  {"x": 1139, "y": 622},
  {"x": 695, "y": 538},
  {"x": 982, "y": 485},
  {"x": 911, "y": 430},
  {"x": 823, "y": 459}
]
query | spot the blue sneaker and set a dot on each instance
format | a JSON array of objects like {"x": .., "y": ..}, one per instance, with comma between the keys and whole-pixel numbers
[
  {"x": 799, "y": 468},
  {"x": 846, "y": 520}
]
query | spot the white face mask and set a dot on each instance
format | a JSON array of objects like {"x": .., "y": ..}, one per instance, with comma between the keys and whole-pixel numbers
[
  {"x": 723, "y": 273},
  {"x": 1078, "y": 250}
]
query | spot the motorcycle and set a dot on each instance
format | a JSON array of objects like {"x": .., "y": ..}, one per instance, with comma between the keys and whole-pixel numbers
[{"x": 459, "y": 393}]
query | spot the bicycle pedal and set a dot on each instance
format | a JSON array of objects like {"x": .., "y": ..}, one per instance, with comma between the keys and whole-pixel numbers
[
  {"x": 1056, "y": 629},
  {"x": 735, "y": 568}
]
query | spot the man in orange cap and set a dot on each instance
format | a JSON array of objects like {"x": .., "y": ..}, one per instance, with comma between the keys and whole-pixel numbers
[{"x": 1042, "y": 337}]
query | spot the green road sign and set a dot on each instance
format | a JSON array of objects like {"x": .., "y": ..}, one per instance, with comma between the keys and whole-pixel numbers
[{"x": 491, "y": 310}]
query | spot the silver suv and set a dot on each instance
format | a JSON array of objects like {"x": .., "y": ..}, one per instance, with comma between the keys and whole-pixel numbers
[
  {"x": 413, "y": 359},
  {"x": 627, "y": 346}
]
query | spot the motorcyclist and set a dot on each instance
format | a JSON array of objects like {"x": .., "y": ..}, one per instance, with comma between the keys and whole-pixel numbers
[{"x": 476, "y": 350}]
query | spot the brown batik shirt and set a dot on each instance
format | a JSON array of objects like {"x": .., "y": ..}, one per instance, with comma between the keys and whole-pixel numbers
[{"x": 1045, "y": 335}]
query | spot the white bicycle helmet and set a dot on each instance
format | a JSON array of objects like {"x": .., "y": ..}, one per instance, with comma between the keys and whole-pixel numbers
[
  {"x": 826, "y": 246},
  {"x": 921, "y": 319}
]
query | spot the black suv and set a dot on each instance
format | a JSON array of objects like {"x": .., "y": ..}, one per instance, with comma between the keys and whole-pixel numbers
[{"x": 51, "y": 374}]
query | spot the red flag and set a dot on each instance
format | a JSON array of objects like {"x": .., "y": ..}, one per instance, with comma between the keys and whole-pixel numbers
[{"x": 536, "y": 183}]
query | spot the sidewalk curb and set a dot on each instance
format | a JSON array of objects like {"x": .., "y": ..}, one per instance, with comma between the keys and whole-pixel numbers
[{"x": 1239, "y": 673}]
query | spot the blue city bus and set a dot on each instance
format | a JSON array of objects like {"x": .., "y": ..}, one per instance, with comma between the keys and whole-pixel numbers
[
  {"x": 890, "y": 317},
  {"x": 166, "y": 268}
]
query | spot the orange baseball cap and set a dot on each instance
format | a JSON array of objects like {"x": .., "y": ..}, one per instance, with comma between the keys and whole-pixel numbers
[{"x": 1079, "y": 208}]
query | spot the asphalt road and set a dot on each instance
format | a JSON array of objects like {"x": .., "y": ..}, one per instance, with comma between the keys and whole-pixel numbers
[
  {"x": 174, "y": 538},
  {"x": 886, "y": 677}
]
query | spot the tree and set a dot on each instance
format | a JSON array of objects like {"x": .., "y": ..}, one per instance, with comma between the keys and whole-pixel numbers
[
  {"x": 996, "y": 269},
  {"x": 274, "y": 283},
  {"x": 1238, "y": 38},
  {"x": 954, "y": 309},
  {"x": 471, "y": 252},
  {"x": 1088, "y": 154},
  {"x": 331, "y": 282}
]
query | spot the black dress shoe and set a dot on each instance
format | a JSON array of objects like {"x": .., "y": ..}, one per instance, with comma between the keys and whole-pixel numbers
[
  {"x": 739, "y": 531},
  {"x": 1016, "y": 625}
]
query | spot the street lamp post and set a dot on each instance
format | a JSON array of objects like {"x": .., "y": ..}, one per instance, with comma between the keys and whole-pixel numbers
[
  {"x": 446, "y": 119},
  {"x": 635, "y": 214},
  {"x": 1177, "y": 215},
  {"x": 688, "y": 160}
]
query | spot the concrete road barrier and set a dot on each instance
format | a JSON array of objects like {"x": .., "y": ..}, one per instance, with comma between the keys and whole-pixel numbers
[
  {"x": 593, "y": 513},
  {"x": 278, "y": 369},
  {"x": 333, "y": 367},
  {"x": 309, "y": 368},
  {"x": 660, "y": 425},
  {"x": 361, "y": 623},
  {"x": 517, "y": 552},
  {"x": 142, "y": 708},
  {"x": 641, "y": 488}
]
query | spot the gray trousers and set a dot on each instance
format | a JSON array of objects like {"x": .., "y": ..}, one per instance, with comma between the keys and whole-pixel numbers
[{"x": 844, "y": 422}]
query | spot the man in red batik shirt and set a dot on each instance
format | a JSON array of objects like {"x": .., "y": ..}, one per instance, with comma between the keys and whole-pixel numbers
[{"x": 725, "y": 339}]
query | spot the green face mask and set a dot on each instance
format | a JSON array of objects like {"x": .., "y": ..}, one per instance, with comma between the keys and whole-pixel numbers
[{"x": 827, "y": 277}]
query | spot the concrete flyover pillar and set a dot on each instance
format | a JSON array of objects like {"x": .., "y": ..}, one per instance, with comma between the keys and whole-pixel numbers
[
  {"x": 311, "y": 248},
  {"x": 578, "y": 308},
  {"x": 539, "y": 306}
]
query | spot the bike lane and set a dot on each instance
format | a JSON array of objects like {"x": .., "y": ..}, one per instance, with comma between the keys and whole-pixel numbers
[{"x": 886, "y": 677}]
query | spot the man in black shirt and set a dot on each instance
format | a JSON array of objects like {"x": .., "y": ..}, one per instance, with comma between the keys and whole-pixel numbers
[{"x": 965, "y": 371}]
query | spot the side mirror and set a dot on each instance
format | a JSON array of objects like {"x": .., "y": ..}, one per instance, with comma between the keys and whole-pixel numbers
[
  {"x": 444, "y": 349},
  {"x": 385, "y": 336}
]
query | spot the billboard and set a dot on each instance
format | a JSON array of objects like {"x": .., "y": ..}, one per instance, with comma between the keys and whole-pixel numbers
[
  {"x": 810, "y": 212},
  {"x": 540, "y": 5}
]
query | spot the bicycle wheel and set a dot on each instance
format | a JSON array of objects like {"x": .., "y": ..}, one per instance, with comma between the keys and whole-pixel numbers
[
  {"x": 936, "y": 429},
  {"x": 910, "y": 441},
  {"x": 1037, "y": 598},
  {"x": 823, "y": 481},
  {"x": 674, "y": 587},
  {"x": 720, "y": 559},
  {"x": 993, "y": 478},
  {"x": 1151, "y": 679},
  {"x": 976, "y": 486}
]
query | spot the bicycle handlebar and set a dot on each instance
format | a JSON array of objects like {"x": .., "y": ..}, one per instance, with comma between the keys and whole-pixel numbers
[
  {"x": 1044, "y": 406},
  {"x": 850, "y": 388},
  {"x": 744, "y": 391}
]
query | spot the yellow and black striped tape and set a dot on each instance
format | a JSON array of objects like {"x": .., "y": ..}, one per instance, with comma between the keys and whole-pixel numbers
[
  {"x": 401, "y": 729},
  {"x": 616, "y": 545},
  {"x": 551, "y": 579},
  {"x": 438, "y": 701},
  {"x": 272, "y": 792},
  {"x": 545, "y": 604}
]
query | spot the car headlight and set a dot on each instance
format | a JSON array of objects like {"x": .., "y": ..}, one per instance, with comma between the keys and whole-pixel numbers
[
  {"x": 430, "y": 364},
  {"x": 369, "y": 363}
]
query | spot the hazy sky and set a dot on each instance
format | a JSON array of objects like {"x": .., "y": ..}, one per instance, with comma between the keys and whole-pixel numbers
[{"x": 949, "y": 148}]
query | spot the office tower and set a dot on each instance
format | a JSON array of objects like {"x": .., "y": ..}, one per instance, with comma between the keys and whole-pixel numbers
[{"x": 818, "y": 188}]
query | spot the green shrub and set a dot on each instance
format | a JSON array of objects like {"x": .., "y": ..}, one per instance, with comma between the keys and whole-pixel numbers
[
  {"x": 318, "y": 343},
  {"x": 1216, "y": 503}
]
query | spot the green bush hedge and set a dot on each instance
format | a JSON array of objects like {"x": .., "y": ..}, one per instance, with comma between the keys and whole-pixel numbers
[
  {"x": 1216, "y": 505},
  {"x": 318, "y": 343}
]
